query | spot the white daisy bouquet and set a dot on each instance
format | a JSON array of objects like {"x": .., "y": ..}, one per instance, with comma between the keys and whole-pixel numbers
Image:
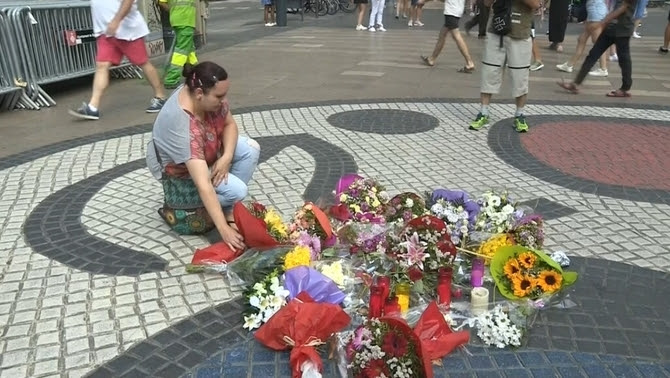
[{"x": 497, "y": 212}]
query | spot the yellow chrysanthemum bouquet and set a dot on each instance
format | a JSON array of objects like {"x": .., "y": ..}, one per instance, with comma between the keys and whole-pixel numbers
[{"x": 520, "y": 272}]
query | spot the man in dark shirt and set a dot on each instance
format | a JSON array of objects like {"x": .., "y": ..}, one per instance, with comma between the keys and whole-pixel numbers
[{"x": 617, "y": 27}]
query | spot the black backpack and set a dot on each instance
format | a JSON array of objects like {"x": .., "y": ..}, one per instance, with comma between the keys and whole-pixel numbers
[{"x": 501, "y": 22}]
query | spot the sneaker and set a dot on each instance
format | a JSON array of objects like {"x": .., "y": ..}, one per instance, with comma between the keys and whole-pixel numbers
[
  {"x": 268, "y": 24},
  {"x": 156, "y": 105},
  {"x": 381, "y": 28},
  {"x": 418, "y": 23},
  {"x": 410, "y": 23},
  {"x": 614, "y": 58},
  {"x": 636, "y": 35},
  {"x": 479, "y": 122},
  {"x": 599, "y": 72},
  {"x": 536, "y": 66},
  {"x": 361, "y": 27},
  {"x": 662, "y": 50},
  {"x": 404, "y": 15},
  {"x": 565, "y": 67},
  {"x": 273, "y": 24},
  {"x": 372, "y": 29},
  {"x": 520, "y": 124},
  {"x": 85, "y": 112}
]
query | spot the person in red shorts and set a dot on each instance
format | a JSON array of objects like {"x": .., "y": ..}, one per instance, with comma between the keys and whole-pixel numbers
[{"x": 120, "y": 29}]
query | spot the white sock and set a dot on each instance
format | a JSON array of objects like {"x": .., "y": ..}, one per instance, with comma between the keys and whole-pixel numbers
[
  {"x": 485, "y": 110},
  {"x": 519, "y": 112},
  {"x": 93, "y": 108}
]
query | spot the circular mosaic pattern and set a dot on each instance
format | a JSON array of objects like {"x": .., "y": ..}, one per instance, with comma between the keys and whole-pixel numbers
[
  {"x": 615, "y": 154},
  {"x": 384, "y": 121},
  {"x": 608, "y": 156}
]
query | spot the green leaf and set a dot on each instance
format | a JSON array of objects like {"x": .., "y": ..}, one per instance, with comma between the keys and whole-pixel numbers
[
  {"x": 329, "y": 252},
  {"x": 418, "y": 287},
  {"x": 569, "y": 278}
]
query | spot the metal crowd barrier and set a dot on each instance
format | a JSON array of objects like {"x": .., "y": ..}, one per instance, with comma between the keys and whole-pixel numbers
[
  {"x": 11, "y": 90},
  {"x": 53, "y": 41}
]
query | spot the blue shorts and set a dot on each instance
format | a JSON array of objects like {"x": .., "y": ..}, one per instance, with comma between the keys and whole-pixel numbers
[
  {"x": 639, "y": 9},
  {"x": 596, "y": 10}
]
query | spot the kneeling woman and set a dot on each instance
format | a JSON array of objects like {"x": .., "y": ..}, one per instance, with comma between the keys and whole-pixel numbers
[{"x": 196, "y": 152}]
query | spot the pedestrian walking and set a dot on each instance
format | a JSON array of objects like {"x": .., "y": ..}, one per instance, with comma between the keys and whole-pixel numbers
[
  {"x": 119, "y": 29},
  {"x": 182, "y": 20}
]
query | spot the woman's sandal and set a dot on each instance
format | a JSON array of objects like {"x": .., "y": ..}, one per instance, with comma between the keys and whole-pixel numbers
[
  {"x": 570, "y": 87},
  {"x": 618, "y": 93},
  {"x": 426, "y": 61},
  {"x": 466, "y": 70}
]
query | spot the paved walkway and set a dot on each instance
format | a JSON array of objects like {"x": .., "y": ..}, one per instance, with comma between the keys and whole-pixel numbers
[{"x": 94, "y": 283}]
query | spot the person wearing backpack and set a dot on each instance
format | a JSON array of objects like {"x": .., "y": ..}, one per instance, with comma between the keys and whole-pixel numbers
[{"x": 508, "y": 42}]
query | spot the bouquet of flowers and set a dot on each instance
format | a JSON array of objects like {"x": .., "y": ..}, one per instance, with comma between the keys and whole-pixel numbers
[
  {"x": 303, "y": 325},
  {"x": 496, "y": 213},
  {"x": 252, "y": 224},
  {"x": 299, "y": 256},
  {"x": 364, "y": 237},
  {"x": 520, "y": 272},
  {"x": 264, "y": 299},
  {"x": 274, "y": 224},
  {"x": 365, "y": 199},
  {"x": 312, "y": 220},
  {"x": 456, "y": 209},
  {"x": 500, "y": 327},
  {"x": 405, "y": 207},
  {"x": 424, "y": 239},
  {"x": 489, "y": 248},
  {"x": 529, "y": 231},
  {"x": 256, "y": 263},
  {"x": 385, "y": 347}
]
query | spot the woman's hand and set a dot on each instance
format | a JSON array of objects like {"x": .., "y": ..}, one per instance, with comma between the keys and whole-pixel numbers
[
  {"x": 220, "y": 170},
  {"x": 231, "y": 237}
]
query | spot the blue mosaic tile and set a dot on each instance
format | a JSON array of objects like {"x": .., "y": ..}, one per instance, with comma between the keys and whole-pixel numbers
[
  {"x": 457, "y": 375},
  {"x": 597, "y": 371},
  {"x": 488, "y": 374},
  {"x": 262, "y": 370},
  {"x": 284, "y": 369},
  {"x": 517, "y": 373},
  {"x": 454, "y": 364},
  {"x": 529, "y": 359},
  {"x": 585, "y": 358},
  {"x": 215, "y": 360},
  {"x": 235, "y": 371},
  {"x": 238, "y": 355},
  {"x": 611, "y": 358},
  {"x": 622, "y": 370},
  {"x": 262, "y": 354},
  {"x": 570, "y": 372},
  {"x": 473, "y": 349},
  {"x": 481, "y": 362},
  {"x": 557, "y": 358},
  {"x": 543, "y": 372},
  {"x": 650, "y": 370},
  {"x": 208, "y": 372},
  {"x": 507, "y": 360}
]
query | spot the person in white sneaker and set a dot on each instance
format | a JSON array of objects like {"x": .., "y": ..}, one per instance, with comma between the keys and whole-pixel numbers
[
  {"x": 640, "y": 13},
  {"x": 596, "y": 10},
  {"x": 415, "y": 13},
  {"x": 376, "y": 16},
  {"x": 269, "y": 11},
  {"x": 453, "y": 10},
  {"x": 362, "y": 7}
]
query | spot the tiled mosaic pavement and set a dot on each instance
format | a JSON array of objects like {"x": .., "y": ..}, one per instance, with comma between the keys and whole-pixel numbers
[{"x": 92, "y": 273}]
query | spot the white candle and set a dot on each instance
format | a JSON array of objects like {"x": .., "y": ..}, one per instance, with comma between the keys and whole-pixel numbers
[{"x": 479, "y": 300}]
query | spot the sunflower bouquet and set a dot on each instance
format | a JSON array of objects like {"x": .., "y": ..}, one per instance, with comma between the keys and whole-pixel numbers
[
  {"x": 489, "y": 248},
  {"x": 520, "y": 272}
]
